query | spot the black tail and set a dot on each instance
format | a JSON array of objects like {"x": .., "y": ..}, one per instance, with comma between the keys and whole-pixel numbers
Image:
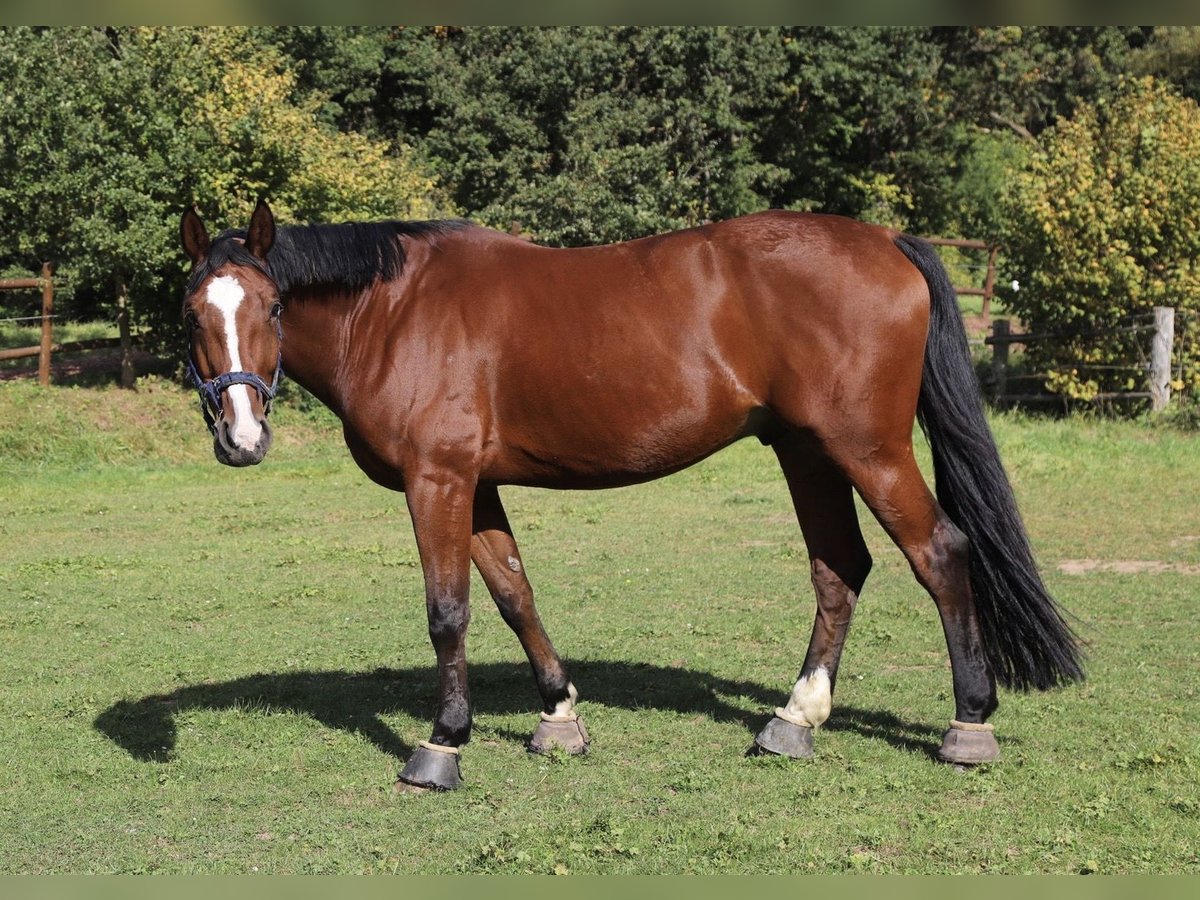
[{"x": 1027, "y": 640}]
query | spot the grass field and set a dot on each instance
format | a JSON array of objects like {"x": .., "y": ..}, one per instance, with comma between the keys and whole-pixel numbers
[{"x": 209, "y": 670}]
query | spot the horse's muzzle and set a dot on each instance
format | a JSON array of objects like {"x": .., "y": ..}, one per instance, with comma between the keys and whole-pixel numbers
[{"x": 230, "y": 453}]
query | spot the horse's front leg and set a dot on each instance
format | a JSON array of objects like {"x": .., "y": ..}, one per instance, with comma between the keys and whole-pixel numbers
[
  {"x": 440, "y": 505},
  {"x": 495, "y": 553}
]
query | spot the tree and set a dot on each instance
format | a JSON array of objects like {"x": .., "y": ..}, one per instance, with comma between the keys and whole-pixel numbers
[
  {"x": 585, "y": 134},
  {"x": 1102, "y": 225},
  {"x": 590, "y": 134},
  {"x": 106, "y": 134}
]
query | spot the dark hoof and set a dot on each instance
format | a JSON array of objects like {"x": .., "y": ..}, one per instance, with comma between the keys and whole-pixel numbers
[
  {"x": 784, "y": 739},
  {"x": 566, "y": 733},
  {"x": 968, "y": 746},
  {"x": 433, "y": 769}
]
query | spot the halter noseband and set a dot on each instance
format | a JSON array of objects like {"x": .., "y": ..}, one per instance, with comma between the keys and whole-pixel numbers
[{"x": 210, "y": 391}]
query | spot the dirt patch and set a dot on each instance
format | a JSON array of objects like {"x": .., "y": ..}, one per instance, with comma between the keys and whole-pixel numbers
[{"x": 1126, "y": 567}]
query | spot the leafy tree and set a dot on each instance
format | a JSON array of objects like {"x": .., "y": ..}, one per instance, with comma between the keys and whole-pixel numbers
[
  {"x": 590, "y": 134},
  {"x": 342, "y": 66},
  {"x": 1025, "y": 78},
  {"x": 997, "y": 88},
  {"x": 105, "y": 134},
  {"x": 1172, "y": 53},
  {"x": 854, "y": 127},
  {"x": 586, "y": 134},
  {"x": 1102, "y": 225}
]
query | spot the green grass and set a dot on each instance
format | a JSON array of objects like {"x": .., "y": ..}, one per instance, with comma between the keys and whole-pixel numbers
[
  {"x": 29, "y": 333},
  {"x": 210, "y": 670}
]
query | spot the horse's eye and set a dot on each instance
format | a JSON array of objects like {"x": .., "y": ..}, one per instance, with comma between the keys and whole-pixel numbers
[
  {"x": 276, "y": 311},
  {"x": 191, "y": 320}
]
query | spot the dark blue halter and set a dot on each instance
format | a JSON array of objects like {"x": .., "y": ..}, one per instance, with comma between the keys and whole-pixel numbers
[{"x": 211, "y": 391}]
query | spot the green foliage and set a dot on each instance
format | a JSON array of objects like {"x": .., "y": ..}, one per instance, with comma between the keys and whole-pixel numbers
[
  {"x": 976, "y": 199},
  {"x": 591, "y": 134},
  {"x": 854, "y": 123},
  {"x": 585, "y": 135},
  {"x": 1103, "y": 224},
  {"x": 1024, "y": 78},
  {"x": 105, "y": 136},
  {"x": 1172, "y": 53}
]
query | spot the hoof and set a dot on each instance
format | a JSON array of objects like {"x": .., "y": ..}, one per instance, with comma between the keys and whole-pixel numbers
[
  {"x": 565, "y": 732},
  {"x": 968, "y": 744},
  {"x": 784, "y": 738},
  {"x": 432, "y": 768}
]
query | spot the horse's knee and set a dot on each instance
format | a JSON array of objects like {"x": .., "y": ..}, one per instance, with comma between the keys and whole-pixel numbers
[
  {"x": 514, "y": 604},
  {"x": 448, "y": 618},
  {"x": 834, "y": 576}
]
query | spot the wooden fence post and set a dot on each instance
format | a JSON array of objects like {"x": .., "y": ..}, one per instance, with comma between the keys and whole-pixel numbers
[
  {"x": 989, "y": 285},
  {"x": 47, "y": 317},
  {"x": 1160, "y": 357},
  {"x": 1000, "y": 334}
]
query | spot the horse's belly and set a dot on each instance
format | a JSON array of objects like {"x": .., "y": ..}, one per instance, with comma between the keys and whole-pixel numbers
[{"x": 589, "y": 451}]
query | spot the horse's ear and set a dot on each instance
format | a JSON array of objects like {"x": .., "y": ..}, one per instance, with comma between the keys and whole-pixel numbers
[
  {"x": 260, "y": 236},
  {"x": 194, "y": 236}
]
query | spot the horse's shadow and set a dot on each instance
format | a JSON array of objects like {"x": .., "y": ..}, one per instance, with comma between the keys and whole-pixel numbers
[{"x": 358, "y": 702}]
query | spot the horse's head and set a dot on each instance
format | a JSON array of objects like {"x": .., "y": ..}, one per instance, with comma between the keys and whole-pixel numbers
[{"x": 231, "y": 309}]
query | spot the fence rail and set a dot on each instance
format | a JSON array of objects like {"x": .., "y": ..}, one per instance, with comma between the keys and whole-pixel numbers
[
  {"x": 68, "y": 347},
  {"x": 989, "y": 282},
  {"x": 46, "y": 284},
  {"x": 1157, "y": 367}
]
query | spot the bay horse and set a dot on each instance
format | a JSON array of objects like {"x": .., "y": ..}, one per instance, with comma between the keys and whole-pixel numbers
[{"x": 459, "y": 359}]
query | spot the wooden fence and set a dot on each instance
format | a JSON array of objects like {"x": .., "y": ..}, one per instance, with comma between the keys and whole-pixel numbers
[
  {"x": 1157, "y": 366},
  {"x": 44, "y": 350},
  {"x": 989, "y": 280}
]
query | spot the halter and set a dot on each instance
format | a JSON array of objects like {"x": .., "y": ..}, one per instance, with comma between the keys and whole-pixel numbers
[{"x": 211, "y": 391}]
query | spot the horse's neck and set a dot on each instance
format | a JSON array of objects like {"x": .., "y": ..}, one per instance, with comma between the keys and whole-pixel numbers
[{"x": 313, "y": 343}]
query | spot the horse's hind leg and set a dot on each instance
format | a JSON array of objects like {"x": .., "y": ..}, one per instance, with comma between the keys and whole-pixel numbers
[
  {"x": 495, "y": 554},
  {"x": 839, "y": 563},
  {"x": 892, "y": 486}
]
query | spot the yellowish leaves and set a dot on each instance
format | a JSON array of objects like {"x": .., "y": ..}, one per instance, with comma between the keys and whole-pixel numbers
[
  {"x": 1104, "y": 225},
  {"x": 274, "y": 144}
]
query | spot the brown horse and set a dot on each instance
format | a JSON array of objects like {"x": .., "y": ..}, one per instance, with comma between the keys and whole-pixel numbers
[{"x": 460, "y": 359}]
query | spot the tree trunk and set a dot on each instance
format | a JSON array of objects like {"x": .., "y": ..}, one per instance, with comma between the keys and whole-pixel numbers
[{"x": 127, "y": 373}]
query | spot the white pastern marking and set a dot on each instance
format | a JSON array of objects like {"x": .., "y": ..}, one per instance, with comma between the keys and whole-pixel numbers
[
  {"x": 567, "y": 707},
  {"x": 812, "y": 698},
  {"x": 226, "y": 294}
]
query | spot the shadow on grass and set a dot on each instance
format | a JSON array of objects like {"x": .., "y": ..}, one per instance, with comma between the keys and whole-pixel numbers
[{"x": 356, "y": 702}]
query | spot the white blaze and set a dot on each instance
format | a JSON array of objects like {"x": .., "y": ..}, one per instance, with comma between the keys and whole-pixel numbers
[
  {"x": 227, "y": 295},
  {"x": 811, "y": 699}
]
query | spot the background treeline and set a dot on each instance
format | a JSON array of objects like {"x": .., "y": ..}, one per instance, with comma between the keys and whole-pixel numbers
[{"x": 590, "y": 134}]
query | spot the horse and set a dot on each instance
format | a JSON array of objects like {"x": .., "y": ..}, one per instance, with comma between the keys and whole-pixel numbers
[{"x": 460, "y": 359}]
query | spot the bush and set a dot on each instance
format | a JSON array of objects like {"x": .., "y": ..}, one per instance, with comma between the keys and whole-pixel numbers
[{"x": 1101, "y": 225}]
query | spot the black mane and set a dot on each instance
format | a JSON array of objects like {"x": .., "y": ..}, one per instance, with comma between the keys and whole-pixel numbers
[{"x": 351, "y": 255}]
